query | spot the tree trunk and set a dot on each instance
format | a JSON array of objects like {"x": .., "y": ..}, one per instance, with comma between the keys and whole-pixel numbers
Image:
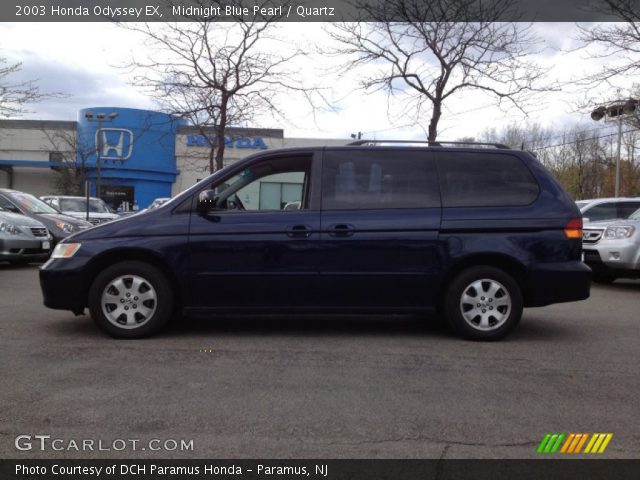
[
  {"x": 212, "y": 155},
  {"x": 220, "y": 128},
  {"x": 435, "y": 118}
]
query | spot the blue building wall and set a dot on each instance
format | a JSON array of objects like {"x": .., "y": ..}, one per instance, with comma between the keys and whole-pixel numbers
[{"x": 137, "y": 149}]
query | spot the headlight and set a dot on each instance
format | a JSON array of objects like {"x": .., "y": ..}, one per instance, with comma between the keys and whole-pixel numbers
[
  {"x": 65, "y": 227},
  {"x": 614, "y": 233},
  {"x": 65, "y": 250},
  {"x": 10, "y": 228}
]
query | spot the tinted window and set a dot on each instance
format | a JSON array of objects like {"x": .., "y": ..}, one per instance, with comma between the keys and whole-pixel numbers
[
  {"x": 484, "y": 180},
  {"x": 603, "y": 211},
  {"x": 369, "y": 180},
  {"x": 7, "y": 205},
  {"x": 625, "y": 209}
]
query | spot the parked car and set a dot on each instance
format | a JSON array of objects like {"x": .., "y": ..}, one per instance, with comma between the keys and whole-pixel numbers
[
  {"x": 158, "y": 202},
  {"x": 478, "y": 233},
  {"x": 60, "y": 226},
  {"x": 612, "y": 249},
  {"x": 76, "y": 207},
  {"x": 599, "y": 209},
  {"x": 23, "y": 239}
]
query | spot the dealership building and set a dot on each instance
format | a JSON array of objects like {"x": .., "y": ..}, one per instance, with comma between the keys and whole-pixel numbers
[{"x": 129, "y": 154}]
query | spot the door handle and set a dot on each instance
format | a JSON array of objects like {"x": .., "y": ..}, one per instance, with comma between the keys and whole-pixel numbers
[
  {"x": 341, "y": 230},
  {"x": 299, "y": 231}
]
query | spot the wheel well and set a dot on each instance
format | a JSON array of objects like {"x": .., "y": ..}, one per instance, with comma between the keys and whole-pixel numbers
[
  {"x": 511, "y": 266},
  {"x": 111, "y": 257}
]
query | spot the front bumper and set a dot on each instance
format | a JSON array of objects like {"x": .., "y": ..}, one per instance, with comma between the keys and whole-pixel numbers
[
  {"x": 558, "y": 282},
  {"x": 614, "y": 255},
  {"x": 25, "y": 249},
  {"x": 65, "y": 283}
]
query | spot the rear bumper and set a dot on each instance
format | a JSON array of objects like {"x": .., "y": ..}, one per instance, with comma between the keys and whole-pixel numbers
[{"x": 557, "y": 283}]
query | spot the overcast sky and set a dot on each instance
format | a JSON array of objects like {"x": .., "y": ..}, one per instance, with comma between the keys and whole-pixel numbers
[{"x": 81, "y": 60}]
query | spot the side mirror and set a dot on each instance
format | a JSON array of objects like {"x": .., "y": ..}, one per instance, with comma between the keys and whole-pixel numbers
[{"x": 207, "y": 200}]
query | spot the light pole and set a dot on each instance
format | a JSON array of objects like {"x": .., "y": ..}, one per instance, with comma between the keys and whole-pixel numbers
[
  {"x": 616, "y": 111},
  {"x": 100, "y": 118}
]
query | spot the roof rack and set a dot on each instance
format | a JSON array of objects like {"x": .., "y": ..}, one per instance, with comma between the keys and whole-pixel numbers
[{"x": 437, "y": 143}]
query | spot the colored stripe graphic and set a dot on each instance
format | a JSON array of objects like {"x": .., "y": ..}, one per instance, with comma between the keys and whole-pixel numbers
[
  {"x": 582, "y": 440},
  {"x": 551, "y": 442},
  {"x": 598, "y": 443},
  {"x": 572, "y": 443}
]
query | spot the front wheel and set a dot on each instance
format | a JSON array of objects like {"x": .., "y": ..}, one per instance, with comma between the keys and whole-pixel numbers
[
  {"x": 483, "y": 303},
  {"x": 131, "y": 300}
]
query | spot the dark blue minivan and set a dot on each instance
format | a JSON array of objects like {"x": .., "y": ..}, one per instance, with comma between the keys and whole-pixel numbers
[{"x": 474, "y": 233}]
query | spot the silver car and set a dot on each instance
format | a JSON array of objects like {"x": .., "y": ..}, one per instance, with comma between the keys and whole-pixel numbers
[
  {"x": 23, "y": 239},
  {"x": 76, "y": 207},
  {"x": 612, "y": 249}
]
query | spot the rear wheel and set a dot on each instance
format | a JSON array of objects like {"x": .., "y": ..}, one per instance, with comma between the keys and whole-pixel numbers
[
  {"x": 131, "y": 300},
  {"x": 483, "y": 303}
]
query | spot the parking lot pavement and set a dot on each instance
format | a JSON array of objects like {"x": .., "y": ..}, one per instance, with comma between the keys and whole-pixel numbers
[{"x": 339, "y": 387}]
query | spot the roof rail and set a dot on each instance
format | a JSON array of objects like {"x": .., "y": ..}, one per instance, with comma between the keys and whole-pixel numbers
[{"x": 436, "y": 143}]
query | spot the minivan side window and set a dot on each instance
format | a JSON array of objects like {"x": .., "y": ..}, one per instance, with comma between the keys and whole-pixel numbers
[
  {"x": 275, "y": 184},
  {"x": 370, "y": 180},
  {"x": 470, "y": 179}
]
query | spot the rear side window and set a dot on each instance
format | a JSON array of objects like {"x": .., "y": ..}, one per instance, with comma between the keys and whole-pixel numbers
[
  {"x": 484, "y": 180},
  {"x": 602, "y": 211},
  {"x": 369, "y": 180},
  {"x": 625, "y": 209}
]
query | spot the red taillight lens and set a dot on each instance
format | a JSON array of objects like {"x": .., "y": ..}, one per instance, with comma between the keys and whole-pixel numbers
[{"x": 573, "y": 228}]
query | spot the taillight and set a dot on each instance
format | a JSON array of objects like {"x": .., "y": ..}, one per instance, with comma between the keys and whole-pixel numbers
[{"x": 573, "y": 228}]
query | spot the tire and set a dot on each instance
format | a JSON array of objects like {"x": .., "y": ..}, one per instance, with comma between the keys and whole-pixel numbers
[
  {"x": 131, "y": 300},
  {"x": 603, "y": 278},
  {"x": 483, "y": 303}
]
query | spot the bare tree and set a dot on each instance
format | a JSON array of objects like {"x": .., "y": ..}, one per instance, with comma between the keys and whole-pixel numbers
[
  {"x": 217, "y": 74},
  {"x": 15, "y": 96},
  {"x": 73, "y": 150},
  {"x": 429, "y": 59},
  {"x": 620, "y": 42},
  {"x": 582, "y": 158}
]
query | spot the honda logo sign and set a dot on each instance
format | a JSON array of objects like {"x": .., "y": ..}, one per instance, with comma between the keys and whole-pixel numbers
[{"x": 114, "y": 143}]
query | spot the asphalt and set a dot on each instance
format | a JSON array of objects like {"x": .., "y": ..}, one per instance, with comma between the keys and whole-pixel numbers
[{"x": 319, "y": 387}]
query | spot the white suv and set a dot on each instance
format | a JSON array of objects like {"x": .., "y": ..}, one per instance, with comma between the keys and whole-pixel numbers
[
  {"x": 612, "y": 249},
  {"x": 600, "y": 209}
]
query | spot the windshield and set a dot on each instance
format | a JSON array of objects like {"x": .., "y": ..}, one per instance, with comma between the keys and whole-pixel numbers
[
  {"x": 635, "y": 215},
  {"x": 31, "y": 204},
  {"x": 582, "y": 204},
  {"x": 80, "y": 205}
]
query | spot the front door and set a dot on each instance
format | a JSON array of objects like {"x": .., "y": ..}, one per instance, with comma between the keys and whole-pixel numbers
[{"x": 258, "y": 245}]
